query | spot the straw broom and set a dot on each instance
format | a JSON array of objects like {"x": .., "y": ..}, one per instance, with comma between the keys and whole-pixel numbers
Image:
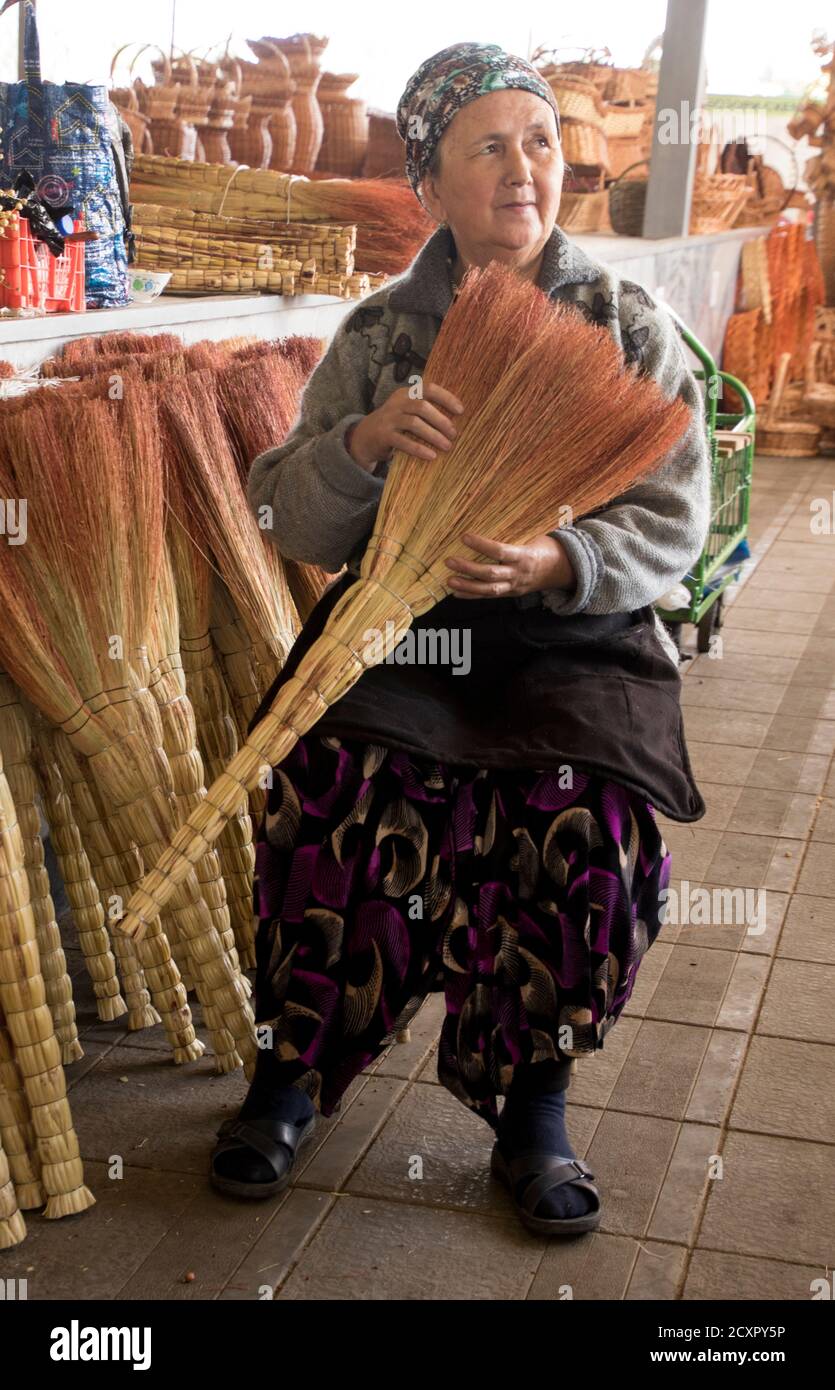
[
  {"x": 114, "y": 489},
  {"x": 216, "y": 730},
  {"x": 16, "y": 751},
  {"x": 553, "y": 420},
  {"x": 259, "y": 392},
  {"x": 83, "y": 891},
  {"x": 113, "y": 869},
  {"x": 12, "y": 1224},
  {"x": 27, "y": 1017},
  {"x": 17, "y": 1132}
]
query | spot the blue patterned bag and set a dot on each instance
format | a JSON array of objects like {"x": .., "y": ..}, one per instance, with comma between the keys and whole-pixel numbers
[{"x": 63, "y": 134}]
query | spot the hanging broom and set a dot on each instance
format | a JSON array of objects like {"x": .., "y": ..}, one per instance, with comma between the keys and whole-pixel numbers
[{"x": 552, "y": 421}]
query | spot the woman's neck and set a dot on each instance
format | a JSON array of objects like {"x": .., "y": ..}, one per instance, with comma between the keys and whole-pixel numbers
[{"x": 527, "y": 271}]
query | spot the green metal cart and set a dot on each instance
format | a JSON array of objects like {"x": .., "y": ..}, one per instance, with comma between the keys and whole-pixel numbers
[{"x": 726, "y": 546}]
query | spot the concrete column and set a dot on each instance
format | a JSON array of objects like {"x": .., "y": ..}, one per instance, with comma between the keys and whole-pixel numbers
[{"x": 680, "y": 90}]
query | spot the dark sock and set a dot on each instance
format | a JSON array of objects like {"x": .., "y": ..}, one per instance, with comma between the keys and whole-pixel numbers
[
  {"x": 264, "y": 1105},
  {"x": 534, "y": 1118}
]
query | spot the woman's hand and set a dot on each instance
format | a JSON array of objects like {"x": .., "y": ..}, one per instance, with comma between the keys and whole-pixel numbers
[
  {"x": 421, "y": 426},
  {"x": 510, "y": 569}
]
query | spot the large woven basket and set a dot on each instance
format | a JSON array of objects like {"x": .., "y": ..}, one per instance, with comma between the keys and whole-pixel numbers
[
  {"x": 627, "y": 201},
  {"x": 825, "y": 242},
  {"x": 631, "y": 84},
  {"x": 717, "y": 201},
  {"x": 346, "y": 126},
  {"x": 386, "y": 152},
  {"x": 595, "y": 65},
  {"x": 585, "y": 145},
  {"x": 583, "y": 212}
]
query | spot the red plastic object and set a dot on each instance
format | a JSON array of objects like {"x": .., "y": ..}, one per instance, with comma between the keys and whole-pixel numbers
[{"x": 35, "y": 279}]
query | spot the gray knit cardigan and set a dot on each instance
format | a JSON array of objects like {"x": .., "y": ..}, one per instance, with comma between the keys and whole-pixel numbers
[{"x": 323, "y": 504}]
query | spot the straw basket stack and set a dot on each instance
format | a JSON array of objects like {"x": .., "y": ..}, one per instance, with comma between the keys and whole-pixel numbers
[
  {"x": 303, "y": 52},
  {"x": 345, "y": 141},
  {"x": 270, "y": 141}
]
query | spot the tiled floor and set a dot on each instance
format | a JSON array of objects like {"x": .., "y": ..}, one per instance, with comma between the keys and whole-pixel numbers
[{"x": 709, "y": 1117}]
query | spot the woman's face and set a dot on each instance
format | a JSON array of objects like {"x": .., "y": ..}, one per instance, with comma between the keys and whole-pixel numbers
[{"x": 500, "y": 177}]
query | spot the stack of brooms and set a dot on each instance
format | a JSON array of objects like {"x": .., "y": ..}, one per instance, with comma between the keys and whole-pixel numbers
[{"x": 128, "y": 680}]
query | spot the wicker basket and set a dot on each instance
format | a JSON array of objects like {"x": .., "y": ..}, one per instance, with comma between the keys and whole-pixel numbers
[
  {"x": 791, "y": 439},
  {"x": 595, "y": 65},
  {"x": 386, "y": 152},
  {"x": 577, "y": 99},
  {"x": 717, "y": 201},
  {"x": 631, "y": 84},
  {"x": 252, "y": 145},
  {"x": 174, "y": 137},
  {"x": 345, "y": 118},
  {"x": 583, "y": 212},
  {"x": 624, "y": 120},
  {"x": 585, "y": 145},
  {"x": 627, "y": 201}
]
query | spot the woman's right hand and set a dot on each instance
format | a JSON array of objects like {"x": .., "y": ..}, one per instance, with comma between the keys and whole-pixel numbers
[{"x": 420, "y": 426}]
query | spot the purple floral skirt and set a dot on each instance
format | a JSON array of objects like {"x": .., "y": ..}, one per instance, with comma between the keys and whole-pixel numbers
[{"x": 528, "y": 897}]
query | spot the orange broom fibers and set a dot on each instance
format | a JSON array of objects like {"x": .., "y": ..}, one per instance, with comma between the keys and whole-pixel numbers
[{"x": 554, "y": 425}]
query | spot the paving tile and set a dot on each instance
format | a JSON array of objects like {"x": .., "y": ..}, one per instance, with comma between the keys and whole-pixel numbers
[
  {"x": 692, "y": 849},
  {"x": 94, "y": 1051},
  {"x": 660, "y": 1071},
  {"x": 738, "y": 1278},
  {"x": 738, "y": 919},
  {"x": 658, "y": 1272},
  {"x": 744, "y": 992},
  {"x": 284, "y": 1234},
  {"x": 407, "y": 1059},
  {"x": 140, "y": 1118},
  {"x": 788, "y": 771},
  {"x": 761, "y": 643},
  {"x": 649, "y": 973},
  {"x": 714, "y": 1088},
  {"x": 720, "y": 802},
  {"x": 431, "y": 1151},
  {"x": 824, "y": 827},
  {"x": 788, "y": 601},
  {"x": 720, "y": 762},
  {"x": 94, "y": 1254},
  {"x": 771, "y": 620},
  {"x": 816, "y": 670},
  {"x": 817, "y": 873},
  {"x": 734, "y": 665},
  {"x": 591, "y": 1267},
  {"x": 597, "y": 1074},
  {"x": 775, "y": 1199},
  {"x": 812, "y": 581},
  {"x": 692, "y": 986},
  {"x": 372, "y": 1249},
  {"x": 807, "y": 702},
  {"x": 759, "y": 697},
  {"x": 755, "y": 861},
  {"x": 798, "y": 1002},
  {"x": 682, "y": 1195},
  {"x": 794, "y": 733},
  {"x": 787, "y": 1088},
  {"x": 329, "y": 1163},
  {"x": 768, "y": 811},
  {"x": 745, "y": 730},
  {"x": 629, "y": 1156},
  {"x": 809, "y": 932}
]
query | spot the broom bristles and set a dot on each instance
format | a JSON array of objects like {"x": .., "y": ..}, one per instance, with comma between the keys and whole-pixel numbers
[{"x": 507, "y": 475}]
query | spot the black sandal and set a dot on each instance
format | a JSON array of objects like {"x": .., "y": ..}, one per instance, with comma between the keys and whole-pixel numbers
[
  {"x": 546, "y": 1172},
  {"x": 284, "y": 1137}
]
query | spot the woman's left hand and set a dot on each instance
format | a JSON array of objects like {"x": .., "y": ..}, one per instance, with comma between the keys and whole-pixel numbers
[{"x": 509, "y": 569}]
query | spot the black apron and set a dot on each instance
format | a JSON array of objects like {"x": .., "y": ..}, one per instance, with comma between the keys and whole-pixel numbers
[{"x": 596, "y": 693}]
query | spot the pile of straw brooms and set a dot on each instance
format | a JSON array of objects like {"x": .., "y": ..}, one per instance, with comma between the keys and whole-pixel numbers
[{"x": 135, "y": 513}]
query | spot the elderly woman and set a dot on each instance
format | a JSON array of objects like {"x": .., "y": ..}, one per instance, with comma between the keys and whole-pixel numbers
[{"x": 489, "y": 831}]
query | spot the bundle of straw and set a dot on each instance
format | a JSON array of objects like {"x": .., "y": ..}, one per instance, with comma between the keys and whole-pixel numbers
[
  {"x": 552, "y": 419},
  {"x": 391, "y": 224},
  {"x": 17, "y": 1132}
]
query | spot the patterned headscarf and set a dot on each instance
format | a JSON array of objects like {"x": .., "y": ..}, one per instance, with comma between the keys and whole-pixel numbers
[{"x": 445, "y": 83}]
